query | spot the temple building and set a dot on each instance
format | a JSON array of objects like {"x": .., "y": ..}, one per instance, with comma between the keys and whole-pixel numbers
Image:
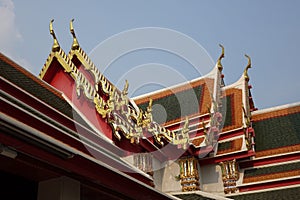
[{"x": 71, "y": 134}]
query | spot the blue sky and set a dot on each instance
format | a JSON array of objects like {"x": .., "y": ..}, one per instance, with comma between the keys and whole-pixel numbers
[{"x": 267, "y": 30}]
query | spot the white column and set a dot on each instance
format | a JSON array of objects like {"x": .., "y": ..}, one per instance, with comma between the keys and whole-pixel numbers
[{"x": 62, "y": 188}]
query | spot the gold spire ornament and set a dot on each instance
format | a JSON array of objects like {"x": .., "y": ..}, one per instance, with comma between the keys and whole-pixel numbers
[
  {"x": 126, "y": 86},
  {"x": 219, "y": 64},
  {"x": 246, "y": 76},
  {"x": 75, "y": 44},
  {"x": 55, "y": 46}
]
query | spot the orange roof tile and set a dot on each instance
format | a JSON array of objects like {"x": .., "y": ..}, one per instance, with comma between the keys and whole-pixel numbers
[{"x": 235, "y": 106}]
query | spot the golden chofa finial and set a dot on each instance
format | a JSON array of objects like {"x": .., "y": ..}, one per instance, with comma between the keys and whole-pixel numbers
[
  {"x": 219, "y": 64},
  {"x": 55, "y": 46},
  {"x": 247, "y": 67},
  {"x": 75, "y": 44}
]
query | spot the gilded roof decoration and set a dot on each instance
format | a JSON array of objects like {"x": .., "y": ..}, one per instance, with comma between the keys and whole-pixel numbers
[
  {"x": 219, "y": 64},
  {"x": 75, "y": 44},
  {"x": 122, "y": 117},
  {"x": 88, "y": 64},
  {"x": 219, "y": 123},
  {"x": 246, "y": 76},
  {"x": 55, "y": 46},
  {"x": 58, "y": 53}
]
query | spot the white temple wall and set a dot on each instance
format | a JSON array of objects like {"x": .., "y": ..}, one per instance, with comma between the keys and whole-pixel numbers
[{"x": 211, "y": 179}]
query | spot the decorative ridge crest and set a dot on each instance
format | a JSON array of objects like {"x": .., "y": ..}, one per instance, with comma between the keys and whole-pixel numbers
[
  {"x": 75, "y": 44},
  {"x": 55, "y": 46},
  {"x": 58, "y": 53},
  {"x": 118, "y": 112},
  {"x": 99, "y": 78},
  {"x": 219, "y": 64},
  {"x": 246, "y": 76}
]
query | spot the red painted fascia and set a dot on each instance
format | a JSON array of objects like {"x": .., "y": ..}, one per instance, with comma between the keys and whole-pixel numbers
[
  {"x": 55, "y": 115},
  {"x": 270, "y": 160},
  {"x": 231, "y": 134},
  {"x": 194, "y": 120},
  {"x": 218, "y": 159},
  {"x": 271, "y": 184}
]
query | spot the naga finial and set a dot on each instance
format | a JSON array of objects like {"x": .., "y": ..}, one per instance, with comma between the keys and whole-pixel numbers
[
  {"x": 125, "y": 90},
  {"x": 75, "y": 44},
  {"x": 247, "y": 67},
  {"x": 149, "y": 108},
  {"x": 186, "y": 124},
  {"x": 55, "y": 46},
  {"x": 219, "y": 64}
]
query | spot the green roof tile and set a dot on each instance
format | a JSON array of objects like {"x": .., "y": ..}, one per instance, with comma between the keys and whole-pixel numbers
[
  {"x": 224, "y": 145},
  {"x": 226, "y": 110},
  {"x": 271, "y": 169},
  {"x": 176, "y": 105},
  {"x": 286, "y": 194},
  {"x": 26, "y": 83},
  {"x": 277, "y": 132}
]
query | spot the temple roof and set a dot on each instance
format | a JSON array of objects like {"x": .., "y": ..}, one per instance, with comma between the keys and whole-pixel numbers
[
  {"x": 276, "y": 129},
  {"x": 38, "y": 88},
  {"x": 38, "y": 122},
  {"x": 217, "y": 121},
  {"x": 287, "y": 193},
  {"x": 232, "y": 108},
  {"x": 278, "y": 171},
  {"x": 191, "y": 99}
]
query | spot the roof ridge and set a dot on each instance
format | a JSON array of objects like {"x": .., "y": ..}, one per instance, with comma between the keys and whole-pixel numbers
[
  {"x": 278, "y": 111},
  {"x": 182, "y": 84}
]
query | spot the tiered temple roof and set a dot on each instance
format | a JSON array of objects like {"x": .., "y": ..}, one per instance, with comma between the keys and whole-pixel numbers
[{"x": 220, "y": 142}]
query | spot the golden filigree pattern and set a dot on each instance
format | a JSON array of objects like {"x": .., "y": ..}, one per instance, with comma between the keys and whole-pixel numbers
[
  {"x": 230, "y": 174},
  {"x": 120, "y": 114},
  {"x": 189, "y": 176}
]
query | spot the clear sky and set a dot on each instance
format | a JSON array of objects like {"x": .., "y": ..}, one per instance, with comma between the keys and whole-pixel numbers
[{"x": 267, "y": 30}]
